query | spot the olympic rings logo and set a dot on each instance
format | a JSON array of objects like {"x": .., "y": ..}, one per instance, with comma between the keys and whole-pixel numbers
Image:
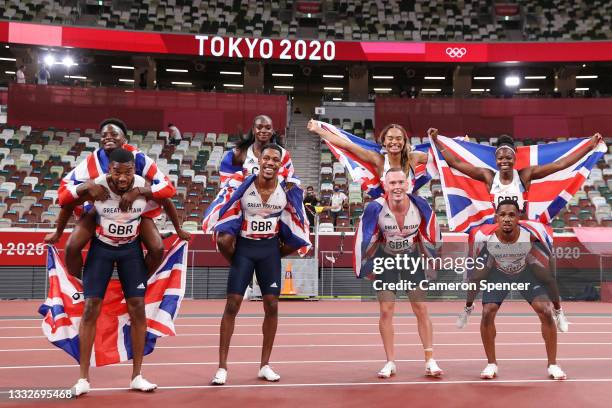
[{"x": 455, "y": 52}]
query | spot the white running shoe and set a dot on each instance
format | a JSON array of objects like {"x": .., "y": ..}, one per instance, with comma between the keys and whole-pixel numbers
[
  {"x": 489, "y": 372},
  {"x": 220, "y": 377},
  {"x": 462, "y": 320},
  {"x": 268, "y": 374},
  {"x": 561, "y": 321},
  {"x": 556, "y": 373},
  {"x": 140, "y": 384},
  {"x": 432, "y": 369},
  {"x": 81, "y": 387},
  {"x": 388, "y": 370}
]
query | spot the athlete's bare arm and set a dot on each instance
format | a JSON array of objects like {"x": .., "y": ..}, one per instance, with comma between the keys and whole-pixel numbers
[
  {"x": 477, "y": 173},
  {"x": 239, "y": 157},
  {"x": 170, "y": 210},
  {"x": 129, "y": 197},
  {"x": 417, "y": 158},
  {"x": 365, "y": 155},
  {"x": 63, "y": 217}
]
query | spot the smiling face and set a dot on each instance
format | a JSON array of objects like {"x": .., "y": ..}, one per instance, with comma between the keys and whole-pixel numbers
[
  {"x": 394, "y": 140},
  {"x": 269, "y": 163},
  {"x": 507, "y": 216},
  {"x": 263, "y": 129},
  {"x": 122, "y": 175},
  {"x": 504, "y": 158},
  {"x": 396, "y": 185},
  {"x": 112, "y": 138}
]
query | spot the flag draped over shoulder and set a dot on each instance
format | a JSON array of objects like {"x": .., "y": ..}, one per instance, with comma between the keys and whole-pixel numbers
[
  {"x": 468, "y": 202},
  {"x": 368, "y": 234},
  {"x": 231, "y": 177},
  {"x": 365, "y": 173},
  {"x": 63, "y": 308},
  {"x": 97, "y": 163},
  {"x": 542, "y": 241},
  {"x": 294, "y": 227}
]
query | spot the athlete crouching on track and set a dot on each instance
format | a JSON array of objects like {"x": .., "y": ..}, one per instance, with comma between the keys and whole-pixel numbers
[
  {"x": 117, "y": 242},
  {"x": 262, "y": 198},
  {"x": 511, "y": 252},
  {"x": 380, "y": 223}
]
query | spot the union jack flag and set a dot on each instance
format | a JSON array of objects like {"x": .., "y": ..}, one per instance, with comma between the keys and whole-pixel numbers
[
  {"x": 365, "y": 173},
  {"x": 231, "y": 177},
  {"x": 541, "y": 234},
  {"x": 294, "y": 229},
  {"x": 63, "y": 308},
  {"x": 469, "y": 204},
  {"x": 369, "y": 235},
  {"x": 96, "y": 164}
]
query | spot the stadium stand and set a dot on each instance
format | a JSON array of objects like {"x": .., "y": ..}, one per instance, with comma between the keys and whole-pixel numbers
[
  {"x": 32, "y": 162},
  {"x": 44, "y": 11},
  {"x": 469, "y": 20},
  {"x": 558, "y": 20},
  {"x": 436, "y": 20}
]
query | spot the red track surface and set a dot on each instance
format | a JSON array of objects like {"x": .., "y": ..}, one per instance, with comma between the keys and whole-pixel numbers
[{"x": 328, "y": 353}]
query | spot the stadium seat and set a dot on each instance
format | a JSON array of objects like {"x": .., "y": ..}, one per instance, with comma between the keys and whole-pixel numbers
[
  {"x": 324, "y": 187},
  {"x": 326, "y": 227},
  {"x": 8, "y": 186},
  {"x": 190, "y": 226}
]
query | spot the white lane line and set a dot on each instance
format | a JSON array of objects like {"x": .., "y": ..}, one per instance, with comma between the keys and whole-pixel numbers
[
  {"x": 361, "y": 384},
  {"x": 398, "y": 316},
  {"x": 335, "y": 345},
  {"x": 215, "y": 363},
  {"x": 336, "y": 334},
  {"x": 306, "y": 334},
  {"x": 282, "y": 324}
]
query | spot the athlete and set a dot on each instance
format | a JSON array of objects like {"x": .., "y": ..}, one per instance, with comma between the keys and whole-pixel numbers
[
  {"x": 241, "y": 162},
  {"x": 511, "y": 253},
  {"x": 116, "y": 242},
  {"x": 248, "y": 150},
  {"x": 508, "y": 182},
  {"x": 394, "y": 139},
  {"x": 92, "y": 186},
  {"x": 114, "y": 135},
  {"x": 395, "y": 221},
  {"x": 262, "y": 199}
]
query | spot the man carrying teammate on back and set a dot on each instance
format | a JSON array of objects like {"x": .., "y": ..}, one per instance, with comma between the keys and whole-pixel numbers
[
  {"x": 114, "y": 136},
  {"x": 267, "y": 217},
  {"x": 116, "y": 242},
  {"x": 511, "y": 251}
]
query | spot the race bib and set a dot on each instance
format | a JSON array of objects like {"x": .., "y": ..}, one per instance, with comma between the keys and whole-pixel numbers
[
  {"x": 261, "y": 226},
  {"x": 112, "y": 228},
  {"x": 400, "y": 245}
]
